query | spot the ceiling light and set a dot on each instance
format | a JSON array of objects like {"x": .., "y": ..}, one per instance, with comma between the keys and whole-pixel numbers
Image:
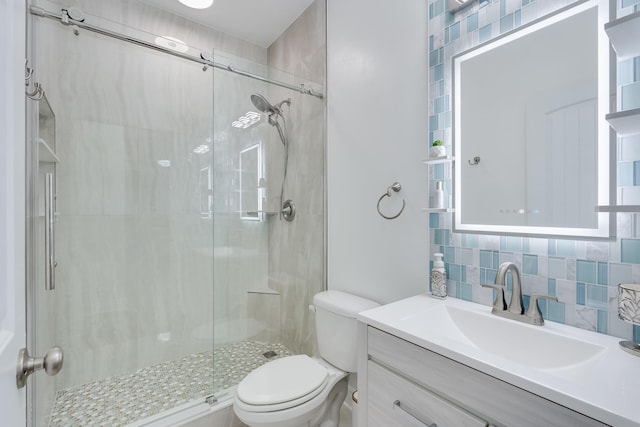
[{"x": 197, "y": 4}]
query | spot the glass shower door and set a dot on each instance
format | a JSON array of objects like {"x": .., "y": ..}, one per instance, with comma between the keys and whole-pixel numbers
[{"x": 134, "y": 230}]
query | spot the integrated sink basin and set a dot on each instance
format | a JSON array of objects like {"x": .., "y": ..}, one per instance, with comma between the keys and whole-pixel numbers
[{"x": 536, "y": 347}]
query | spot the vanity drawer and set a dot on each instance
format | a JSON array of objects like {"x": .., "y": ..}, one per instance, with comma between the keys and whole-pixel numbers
[
  {"x": 396, "y": 401},
  {"x": 494, "y": 400}
]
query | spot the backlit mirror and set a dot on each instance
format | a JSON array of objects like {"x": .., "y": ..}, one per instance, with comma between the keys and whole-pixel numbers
[{"x": 530, "y": 105}]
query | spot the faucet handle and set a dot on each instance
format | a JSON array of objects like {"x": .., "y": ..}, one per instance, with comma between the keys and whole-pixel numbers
[
  {"x": 533, "y": 312},
  {"x": 499, "y": 304}
]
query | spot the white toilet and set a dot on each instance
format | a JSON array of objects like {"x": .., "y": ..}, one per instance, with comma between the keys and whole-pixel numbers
[{"x": 299, "y": 390}]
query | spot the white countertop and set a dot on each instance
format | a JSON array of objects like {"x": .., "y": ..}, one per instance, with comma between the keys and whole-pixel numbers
[{"x": 605, "y": 387}]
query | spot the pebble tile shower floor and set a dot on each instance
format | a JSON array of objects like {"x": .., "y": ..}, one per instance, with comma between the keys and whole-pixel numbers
[{"x": 120, "y": 400}]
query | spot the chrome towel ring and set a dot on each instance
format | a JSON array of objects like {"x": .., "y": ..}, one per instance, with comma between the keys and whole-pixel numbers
[{"x": 394, "y": 187}]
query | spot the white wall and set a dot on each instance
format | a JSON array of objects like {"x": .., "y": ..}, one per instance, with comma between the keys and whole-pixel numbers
[{"x": 377, "y": 131}]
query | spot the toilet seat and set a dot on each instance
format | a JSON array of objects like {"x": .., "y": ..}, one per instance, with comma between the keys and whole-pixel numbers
[{"x": 282, "y": 383}]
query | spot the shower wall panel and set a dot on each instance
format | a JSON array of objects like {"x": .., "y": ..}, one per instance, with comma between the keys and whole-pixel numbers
[{"x": 297, "y": 248}]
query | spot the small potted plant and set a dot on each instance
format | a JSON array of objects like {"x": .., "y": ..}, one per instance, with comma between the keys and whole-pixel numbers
[{"x": 437, "y": 149}]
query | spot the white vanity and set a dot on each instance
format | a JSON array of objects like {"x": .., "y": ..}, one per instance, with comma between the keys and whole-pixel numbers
[{"x": 424, "y": 361}]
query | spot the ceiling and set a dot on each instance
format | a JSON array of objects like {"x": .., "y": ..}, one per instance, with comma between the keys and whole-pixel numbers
[{"x": 260, "y": 22}]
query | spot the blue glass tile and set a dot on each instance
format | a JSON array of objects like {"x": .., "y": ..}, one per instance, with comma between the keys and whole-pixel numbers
[
  {"x": 636, "y": 173},
  {"x": 454, "y": 32},
  {"x": 626, "y": 3},
  {"x": 514, "y": 244},
  {"x": 472, "y": 22},
  {"x": 517, "y": 18},
  {"x": 438, "y": 171},
  {"x": 438, "y": 105},
  {"x": 441, "y": 87},
  {"x": 446, "y": 35},
  {"x": 525, "y": 2},
  {"x": 466, "y": 291},
  {"x": 431, "y": 15},
  {"x": 463, "y": 273},
  {"x": 448, "y": 18},
  {"x": 542, "y": 305},
  {"x": 496, "y": 259},
  {"x": 450, "y": 254},
  {"x": 486, "y": 259},
  {"x": 490, "y": 276},
  {"x": 438, "y": 72},
  {"x": 630, "y": 250},
  {"x": 472, "y": 241},
  {"x": 433, "y": 122},
  {"x": 581, "y": 293},
  {"x": 526, "y": 300},
  {"x": 597, "y": 296},
  {"x": 603, "y": 319},
  {"x": 438, "y": 7},
  {"x": 625, "y": 174},
  {"x": 552, "y": 247},
  {"x": 603, "y": 273},
  {"x": 433, "y": 58},
  {"x": 453, "y": 272},
  {"x": 447, "y": 119},
  {"x": 556, "y": 311},
  {"x": 434, "y": 220},
  {"x": 446, "y": 103},
  {"x": 485, "y": 33},
  {"x": 551, "y": 287},
  {"x": 506, "y": 23},
  {"x": 566, "y": 248},
  {"x": 431, "y": 43},
  {"x": 636, "y": 64},
  {"x": 619, "y": 273},
  {"x": 586, "y": 271},
  {"x": 441, "y": 237},
  {"x": 530, "y": 264},
  {"x": 503, "y": 7},
  {"x": 636, "y": 333},
  {"x": 626, "y": 71},
  {"x": 483, "y": 276}
]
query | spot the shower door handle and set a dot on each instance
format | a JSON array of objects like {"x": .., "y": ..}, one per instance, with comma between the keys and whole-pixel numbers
[
  {"x": 49, "y": 234},
  {"x": 27, "y": 365}
]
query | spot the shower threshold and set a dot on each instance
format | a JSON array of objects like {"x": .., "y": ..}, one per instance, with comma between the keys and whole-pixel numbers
[{"x": 124, "y": 399}]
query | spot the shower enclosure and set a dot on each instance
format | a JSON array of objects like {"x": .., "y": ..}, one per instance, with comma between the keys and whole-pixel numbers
[{"x": 174, "y": 272}]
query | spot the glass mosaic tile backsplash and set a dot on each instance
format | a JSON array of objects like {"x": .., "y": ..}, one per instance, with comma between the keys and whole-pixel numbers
[{"x": 583, "y": 274}]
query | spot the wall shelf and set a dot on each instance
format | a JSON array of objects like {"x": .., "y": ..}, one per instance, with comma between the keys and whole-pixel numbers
[
  {"x": 624, "y": 34},
  {"x": 434, "y": 160},
  {"x": 437, "y": 209},
  {"x": 625, "y": 122}
]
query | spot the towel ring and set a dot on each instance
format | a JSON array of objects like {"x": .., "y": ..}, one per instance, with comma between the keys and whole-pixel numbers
[{"x": 394, "y": 187}]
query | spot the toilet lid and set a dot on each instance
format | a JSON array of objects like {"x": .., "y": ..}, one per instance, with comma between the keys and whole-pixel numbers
[{"x": 282, "y": 380}]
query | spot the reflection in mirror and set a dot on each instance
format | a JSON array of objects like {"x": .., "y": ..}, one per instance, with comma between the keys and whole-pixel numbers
[
  {"x": 528, "y": 104},
  {"x": 251, "y": 183}
]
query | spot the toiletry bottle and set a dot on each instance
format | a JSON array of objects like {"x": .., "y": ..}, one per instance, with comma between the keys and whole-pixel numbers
[
  {"x": 436, "y": 200},
  {"x": 438, "y": 278}
]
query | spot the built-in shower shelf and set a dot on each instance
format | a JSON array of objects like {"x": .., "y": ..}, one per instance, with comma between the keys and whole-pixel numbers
[
  {"x": 45, "y": 153},
  {"x": 624, "y": 34},
  {"x": 625, "y": 122}
]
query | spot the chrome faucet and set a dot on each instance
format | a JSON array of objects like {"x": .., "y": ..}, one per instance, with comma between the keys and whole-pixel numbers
[{"x": 515, "y": 310}]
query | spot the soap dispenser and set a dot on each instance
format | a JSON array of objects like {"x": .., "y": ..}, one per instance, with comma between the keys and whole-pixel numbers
[{"x": 438, "y": 278}]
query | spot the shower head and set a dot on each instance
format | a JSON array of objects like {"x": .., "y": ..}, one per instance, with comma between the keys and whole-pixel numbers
[{"x": 265, "y": 106}]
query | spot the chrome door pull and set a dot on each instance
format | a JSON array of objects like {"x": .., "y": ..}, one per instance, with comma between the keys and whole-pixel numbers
[
  {"x": 411, "y": 417},
  {"x": 27, "y": 365},
  {"x": 49, "y": 234}
]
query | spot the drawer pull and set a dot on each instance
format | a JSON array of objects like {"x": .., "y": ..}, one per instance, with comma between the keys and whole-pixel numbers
[{"x": 410, "y": 417}]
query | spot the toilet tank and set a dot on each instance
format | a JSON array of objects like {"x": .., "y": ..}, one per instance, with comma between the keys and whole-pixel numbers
[{"x": 336, "y": 326}]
